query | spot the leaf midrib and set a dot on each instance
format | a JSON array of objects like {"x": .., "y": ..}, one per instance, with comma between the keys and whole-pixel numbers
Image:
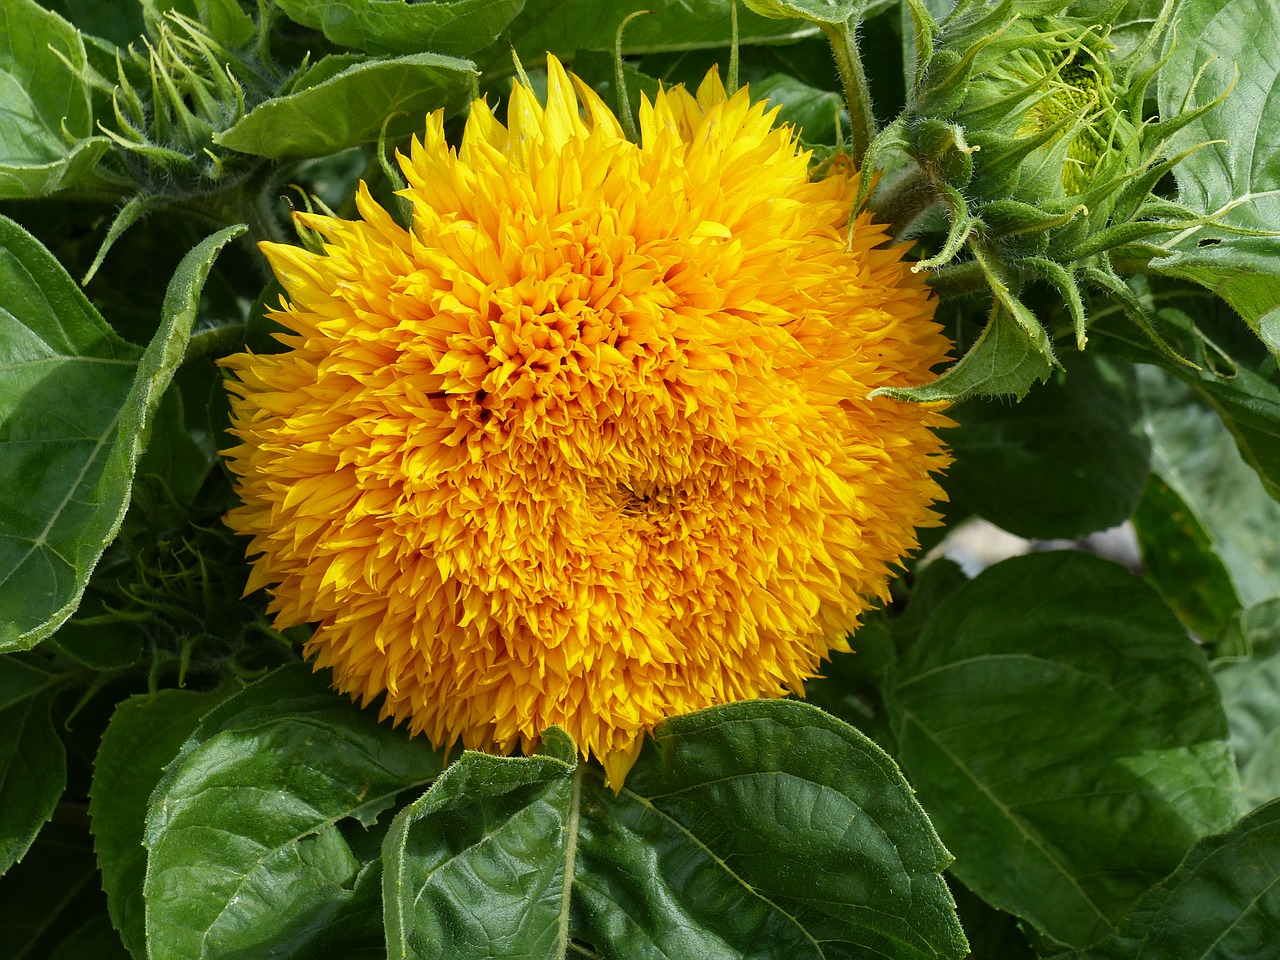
[{"x": 1010, "y": 817}]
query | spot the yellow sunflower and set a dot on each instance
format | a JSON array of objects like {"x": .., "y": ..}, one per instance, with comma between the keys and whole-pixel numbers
[{"x": 589, "y": 444}]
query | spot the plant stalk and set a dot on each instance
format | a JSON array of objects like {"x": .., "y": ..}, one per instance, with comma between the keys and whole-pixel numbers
[{"x": 844, "y": 44}]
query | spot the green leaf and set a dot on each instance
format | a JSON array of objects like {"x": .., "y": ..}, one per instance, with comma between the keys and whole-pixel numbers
[
  {"x": 565, "y": 26},
  {"x": 225, "y": 20},
  {"x": 350, "y": 108},
  {"x": 1005, "y": 360},
  {"x": 1222, "y": 901},
  {"x": 46, "y": 139},
  {"x": 1244, "y": 271},
  {"x": 145, "y": 733},
  {"x": 1249, "y": 406},
  {"x": 93, "y": 940},
  {"x": 454, "y": 27},
  {"x": 1243, "y": 389},
  {"x": 117, "y": 24},
  {"x": 1194, "y": 454},
  {"x": 53, "y": 890},
  {"x": 33, "y": 762},
  {"x": 810, "y": 110},
  {"x": 1068, "y": 460},
  {"x": 75, "y": 406},
  {"x": 1251, "y": 697},
  {"x": 1238, "y": 177},
  {"x": 765, "y": 828},
  {"x": 1180, "y": 559},
  {"x": 248, "y": 853},
  {"x": 993, "y": 934},
  {"x": 1065, "y": 736},
  {"x": 817, "y": 11},
  {"x": 476, "y": 867}
]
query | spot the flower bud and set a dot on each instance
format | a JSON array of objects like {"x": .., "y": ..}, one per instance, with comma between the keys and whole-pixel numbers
[
  {"x": 1041, "y": 104},
  {"x": 173, "y": 96}
]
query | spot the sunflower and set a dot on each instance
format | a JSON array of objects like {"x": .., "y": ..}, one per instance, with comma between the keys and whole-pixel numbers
[{"x": 590, "y": 443}]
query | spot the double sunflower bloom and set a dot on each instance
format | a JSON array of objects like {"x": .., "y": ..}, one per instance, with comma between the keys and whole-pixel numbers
[{"x": 590, "y": 443}]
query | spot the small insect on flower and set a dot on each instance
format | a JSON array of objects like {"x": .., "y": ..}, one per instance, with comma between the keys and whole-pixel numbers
[{"x": 590, "y": 443}]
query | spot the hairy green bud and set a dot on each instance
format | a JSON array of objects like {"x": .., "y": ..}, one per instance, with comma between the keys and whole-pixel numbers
[
  {"x": 1027, "y": 129},
  {"x": 173, "y": 95},
  {"x": 1038, "y": 97}
]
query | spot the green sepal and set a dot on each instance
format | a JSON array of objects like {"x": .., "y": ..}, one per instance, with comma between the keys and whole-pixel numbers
[
  {"x": 963, "y": 225},
  {"x": 1003, "y": 361},
  {"x": 1064, "y": 281},
  {"x": 892, "y": 137},
  {"x": 1107, "y": 279},
  {"x": 941, "y": 146},
  {"x": 1011, "y": 218},
  {"x": 133, "y": 211},
  {"x": 1115, "y": 236}
]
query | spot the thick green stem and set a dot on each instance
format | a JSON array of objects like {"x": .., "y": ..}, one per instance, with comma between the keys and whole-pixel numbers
[
  {"x": 570, "y": 861},
  {"x": 844, "y": 44}
]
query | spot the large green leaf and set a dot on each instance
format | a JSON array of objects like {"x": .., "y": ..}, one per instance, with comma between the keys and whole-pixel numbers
[
  {"x": 1196, "y": 456},
  {"x": 352, "y": 106},
  {"x": 1180, "y": 559},
  {"x": 46, "y": 138},
  {"x": 1238, "y": 176},
  {"x": 1222, "y": 902},
  {"x": 117, "y": 24},
  {"x": 33, "y": 762},
  {"x": 1241, "y": 386},
  {"x": 819, "y": 11},
  {"x": 454, "y": 27},
  {"x": 476, "y": 867},
  {"x": 814, "y": 113},
  {"x": 762, "y": 829},
  {"x": 1249, "y": 405},
  {"x": 93, "y": 940},
  {"x": 249, "y": 853},
  {"x": 144, "y": 734},
  {"x": 565, "y": 26},
  {"x": 75, "y": 405},
  {"x": 52, "y": 891},
  {"x": 1068, "y": 460},
  {"x": 1250, "y": 688},
  {"x": 1066, "y": 738}
]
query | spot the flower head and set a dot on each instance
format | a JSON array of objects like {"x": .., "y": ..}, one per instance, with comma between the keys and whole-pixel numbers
[{"x": 590, "y": 443}]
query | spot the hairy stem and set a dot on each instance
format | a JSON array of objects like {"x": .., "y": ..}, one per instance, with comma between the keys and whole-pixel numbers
[
  {"x": 844, "y": 44},
  {"x": 570, "y": 863}
]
